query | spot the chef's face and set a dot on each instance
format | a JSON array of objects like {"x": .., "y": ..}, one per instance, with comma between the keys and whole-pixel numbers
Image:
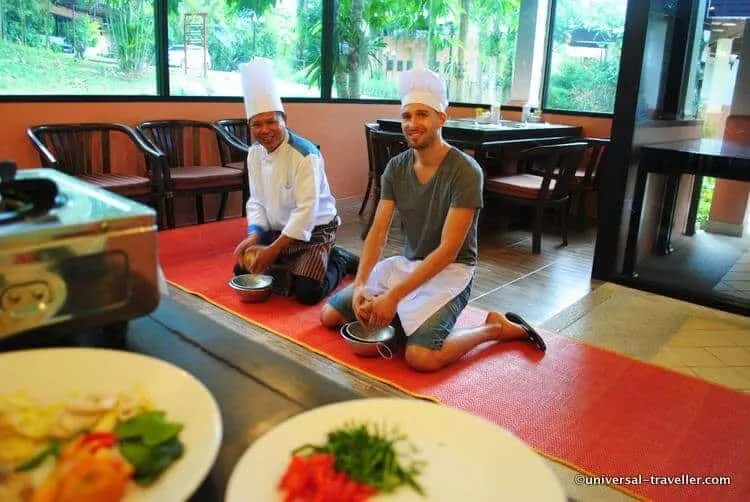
[
  {"x": 268, "y": 128},
  {"x": 421, "y": 125}
]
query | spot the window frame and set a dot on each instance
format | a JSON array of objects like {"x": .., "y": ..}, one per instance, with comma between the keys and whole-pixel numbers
[{"x": 327, "y": 50}]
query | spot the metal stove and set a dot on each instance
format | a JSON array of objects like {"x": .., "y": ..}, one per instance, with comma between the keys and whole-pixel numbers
[{"x": 72, "y": 256}]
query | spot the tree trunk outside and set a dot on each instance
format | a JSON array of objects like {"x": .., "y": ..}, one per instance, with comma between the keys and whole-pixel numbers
[
  {"x": 354, "y": 63},
  {"x": 301, "y": 7},
  {"x": 460, "y": 69},
  {"x": 339, "y": 75},
  {"x": 431, "y": 22}
]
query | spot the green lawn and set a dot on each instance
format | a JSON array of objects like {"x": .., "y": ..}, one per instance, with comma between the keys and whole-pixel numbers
[{"x": 27, "y": 70}]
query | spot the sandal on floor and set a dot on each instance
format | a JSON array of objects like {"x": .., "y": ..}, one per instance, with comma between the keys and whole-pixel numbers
[{"x": 534, "y": 337}]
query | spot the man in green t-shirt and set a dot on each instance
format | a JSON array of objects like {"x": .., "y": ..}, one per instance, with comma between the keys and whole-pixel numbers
[{"x": 438, "y": 192}]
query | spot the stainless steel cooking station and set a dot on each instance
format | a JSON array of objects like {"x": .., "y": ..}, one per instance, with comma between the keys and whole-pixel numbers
[{"x": 90, "y": 260}]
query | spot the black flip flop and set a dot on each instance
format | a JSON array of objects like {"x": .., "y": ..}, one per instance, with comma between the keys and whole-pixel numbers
[{"x": 534, "y": 337}]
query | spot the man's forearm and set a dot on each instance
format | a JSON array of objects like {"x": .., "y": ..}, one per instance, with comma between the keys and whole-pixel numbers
[
  {"x": 371, "y": 253},
  {"x": 433, "y": 264},
  {"x": 281, "y": 243}
]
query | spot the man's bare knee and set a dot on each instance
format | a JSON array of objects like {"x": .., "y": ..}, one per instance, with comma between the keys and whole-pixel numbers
[
  {"x": 423, "y": 359},
  {"x": 330, "y": 317}
]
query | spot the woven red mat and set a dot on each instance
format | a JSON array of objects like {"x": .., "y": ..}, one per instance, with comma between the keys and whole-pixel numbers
[{"x": 662, "y": 433}]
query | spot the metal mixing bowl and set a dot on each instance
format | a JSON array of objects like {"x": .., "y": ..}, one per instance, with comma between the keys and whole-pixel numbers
[
  {"x": 252, "y": 288},
  {"x": 367, "y": 343}
]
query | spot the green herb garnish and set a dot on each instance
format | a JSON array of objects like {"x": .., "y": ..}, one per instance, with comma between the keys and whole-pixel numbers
[
  {"x": 52, "y": 448},
  {"x": 368, "y": 455},
  {"x": 150, "y": 444}
]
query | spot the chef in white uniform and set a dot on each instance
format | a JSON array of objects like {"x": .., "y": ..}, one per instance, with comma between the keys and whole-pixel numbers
[
  {"x": 291, "y": 213},
  {"x": 438, "y": 192}
]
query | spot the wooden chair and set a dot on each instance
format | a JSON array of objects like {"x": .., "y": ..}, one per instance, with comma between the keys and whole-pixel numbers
[
  {"x": 105, "y": 155},
  {"x": 235, "y": 154},
  {"x": 586, "y": 179},
  {"x": 542, "y": 180},
  {"x": 239, "y": 131},
  {"x": 186, "y": 171},
  {"x": 370, "y": 165},
  {"x": 382, "y": 146},
  {"x": 498, "y": 157}
]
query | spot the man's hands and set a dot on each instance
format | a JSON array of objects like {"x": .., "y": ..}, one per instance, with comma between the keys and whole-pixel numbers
[
  {"x": 373, "y": 312},
  {"x": 382, "y": 311},
  {"x": 361, "y": 304},
  {"x": 253, "y": 257},
  {"x": 265, "y": 256},
  {"x": 239, "y": 251}
]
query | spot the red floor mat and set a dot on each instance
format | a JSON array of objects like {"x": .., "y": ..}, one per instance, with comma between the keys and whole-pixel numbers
[{"x": 589, "y": 408}]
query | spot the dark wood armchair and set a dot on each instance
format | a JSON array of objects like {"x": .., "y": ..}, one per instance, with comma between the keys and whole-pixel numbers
[
  {"x": 188, "y": 168},
  {"x": 105, "y": 155},
  {"x": 586, "y": 179},
  {"x": 381, "y": 146},
  {"x": 239, "y": 131},
  {"x": 542, "y": 180},
  {"x": 370, "y": 166}
]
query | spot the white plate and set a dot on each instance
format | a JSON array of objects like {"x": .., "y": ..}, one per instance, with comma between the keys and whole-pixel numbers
[
  {"x": 468, "y": 458},
  {"x": 50, "y": 375}
]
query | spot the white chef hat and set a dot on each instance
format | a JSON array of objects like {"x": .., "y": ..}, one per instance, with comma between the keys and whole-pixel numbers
[
  {"x": 423, "y": 86},
  {"x": 259, "y": 88}
]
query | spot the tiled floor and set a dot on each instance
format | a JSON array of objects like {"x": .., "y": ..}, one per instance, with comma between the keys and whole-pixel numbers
[
  {"x": 737, "y": 281},
  {"x": 716, "y": 351}
]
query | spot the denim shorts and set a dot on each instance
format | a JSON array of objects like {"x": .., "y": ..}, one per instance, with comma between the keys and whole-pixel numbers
[{"x": 431, "y": 334}]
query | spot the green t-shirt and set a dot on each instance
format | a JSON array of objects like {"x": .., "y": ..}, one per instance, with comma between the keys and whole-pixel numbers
[{"x": 458, "y": 182}]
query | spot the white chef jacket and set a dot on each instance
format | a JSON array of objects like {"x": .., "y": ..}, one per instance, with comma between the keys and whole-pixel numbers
[{"x": 289, "y": 189}]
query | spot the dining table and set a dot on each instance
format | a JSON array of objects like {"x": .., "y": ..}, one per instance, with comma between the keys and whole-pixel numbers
[
  {"x": 470, "y": 133},
  {"x": 699, "y": 157}
]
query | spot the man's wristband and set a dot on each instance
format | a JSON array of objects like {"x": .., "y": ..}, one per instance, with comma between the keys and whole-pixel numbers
[{"x": 255, "y": 229}]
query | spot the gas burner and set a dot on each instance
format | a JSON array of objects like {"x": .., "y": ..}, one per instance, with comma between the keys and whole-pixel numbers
[{"x": 21, "y": 199}]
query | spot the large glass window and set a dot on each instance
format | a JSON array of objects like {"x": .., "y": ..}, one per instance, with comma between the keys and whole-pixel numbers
[
  {"x": 208, "y": 39},
  {"x": 103, "y": 47},
  {"x": 585, "y": 56},
  {"x": 470, "y": 42}
]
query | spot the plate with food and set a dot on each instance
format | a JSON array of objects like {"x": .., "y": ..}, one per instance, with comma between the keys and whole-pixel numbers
[
  {"x": 391, "y": 450},
  {"x": 94, "y": 424}
]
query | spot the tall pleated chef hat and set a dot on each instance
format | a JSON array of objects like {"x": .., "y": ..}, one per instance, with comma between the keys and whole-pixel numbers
[
  {"x": 259, "y": 88},
  {"x": 423, "y": 86}
]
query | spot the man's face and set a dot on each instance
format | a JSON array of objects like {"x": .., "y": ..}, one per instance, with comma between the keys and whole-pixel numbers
[
  {"x": 268, "y": 128},
  {"x": 421, "y": 125}
]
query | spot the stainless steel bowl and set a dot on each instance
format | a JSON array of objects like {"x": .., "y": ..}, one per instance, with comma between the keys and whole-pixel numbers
[
  {"x": 252, "y": 288},
  {"x": 367, "y": 343}
]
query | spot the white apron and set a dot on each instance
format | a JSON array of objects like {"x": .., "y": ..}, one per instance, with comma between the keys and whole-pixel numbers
[{"x": 423, "y": 302}]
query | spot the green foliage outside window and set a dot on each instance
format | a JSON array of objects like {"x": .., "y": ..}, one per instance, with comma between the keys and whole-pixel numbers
[
  {"x": 26, "y": 22},
  {"x": 585, "y": 62},
  {"x": 704, "y": 206},
  {"x": 584, "y": 85}
]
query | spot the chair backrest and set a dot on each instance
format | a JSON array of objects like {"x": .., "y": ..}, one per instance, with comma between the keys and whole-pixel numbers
[
  {"x": 557, "y": 162},
  {"x": 89, "y": 149},
  {"x": 239, "y": 130},
  {"x": 184, "y": 143},
  {"x": 593, "y": 160},
  {"x": 384, "y": 145},
  {"x": 496, "y": 157},
  {"x": 370, "y": 149}
]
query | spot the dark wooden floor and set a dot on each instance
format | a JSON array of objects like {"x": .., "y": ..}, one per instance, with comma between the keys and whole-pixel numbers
[{"x": 509, "y": 278}]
